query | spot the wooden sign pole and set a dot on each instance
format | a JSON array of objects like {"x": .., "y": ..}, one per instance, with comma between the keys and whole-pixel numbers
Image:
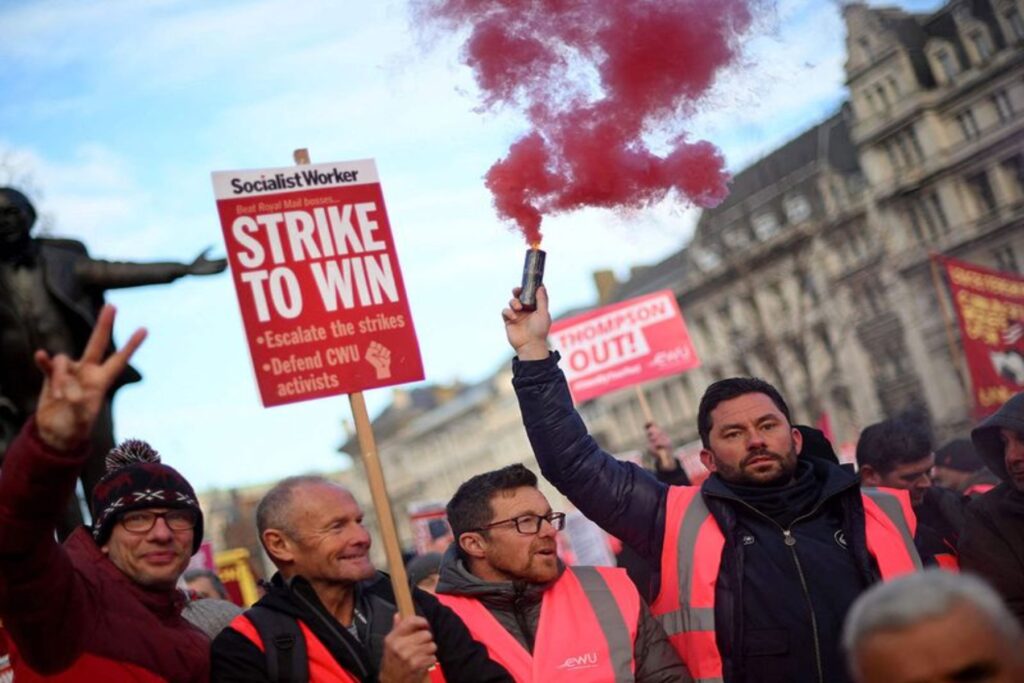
[
  {"x": 379, "y": 492},
  {"x": 664, "y": 457},
  {"x": 381, "y": 503}
]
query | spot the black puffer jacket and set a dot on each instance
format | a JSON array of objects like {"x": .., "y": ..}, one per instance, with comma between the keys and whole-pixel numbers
[
  {"x": 629, "y": 503},
  {"x": 236, "y": 659},
  {"x": 516, "y": 606},
  {"x": 992, "y": 543}
]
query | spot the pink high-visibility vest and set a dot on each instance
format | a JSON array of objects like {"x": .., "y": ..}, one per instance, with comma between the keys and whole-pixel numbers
[
  {"x": 692, "y": 555},
  {"x": 587, "y": 629}
]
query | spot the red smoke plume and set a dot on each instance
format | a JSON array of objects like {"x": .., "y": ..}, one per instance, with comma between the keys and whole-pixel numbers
[{"x": 593, "y": 76}]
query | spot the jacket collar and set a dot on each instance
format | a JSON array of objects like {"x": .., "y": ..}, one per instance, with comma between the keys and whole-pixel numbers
[
  {"x": 832, "y": 480},
  {"x": 456, "y": 579}
]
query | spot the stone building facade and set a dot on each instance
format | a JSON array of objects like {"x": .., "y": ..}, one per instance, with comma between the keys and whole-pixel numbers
[{"x": 815, "y": 272}]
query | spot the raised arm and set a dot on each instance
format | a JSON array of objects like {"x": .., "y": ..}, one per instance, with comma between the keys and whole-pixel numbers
[
  {"x": 620, "y": 497},
  {"x": 667, "y": 468},
  {"x": 42, "y": 604},
  {"x": 119, "y": 274}
]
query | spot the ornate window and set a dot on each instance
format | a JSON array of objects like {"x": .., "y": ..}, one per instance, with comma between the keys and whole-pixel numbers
[
  {"x": 798, "y": 209},
  {"x": 736, "y": 237},
  {"x": 766, "y": 225},
  {"x": 706, "y": 258},
  {"x": 1006, "y": 259},
  {"x": 1004, "y": 108},
  {"x": 968, "y": 125},
  {"x": 1013, "y": 168},
  {"x": 982, "y": 44},
  {"x": 1015, "y": 22},
  {"x": 981, "y": 188},
  {"x": 947, "y": 62}
]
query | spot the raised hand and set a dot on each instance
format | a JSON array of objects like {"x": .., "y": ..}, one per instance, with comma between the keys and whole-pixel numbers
[
  {"x": 527, "y": 331},
  {"x": 409, "y": 651},
  {"x": 73, "y": 390},
  {"x": 205, "y": 266},
  {"x": 659, "y": 444}
]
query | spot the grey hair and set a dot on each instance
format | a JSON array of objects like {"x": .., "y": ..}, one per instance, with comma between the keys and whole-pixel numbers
[
  {"x": 200, "y": 573},
  {"x": 930, "y": 594},
  {"x": 272, "y": 511}
]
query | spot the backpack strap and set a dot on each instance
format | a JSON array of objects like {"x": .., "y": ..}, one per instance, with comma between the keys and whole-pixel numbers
[{"x": 283, "y": 643}]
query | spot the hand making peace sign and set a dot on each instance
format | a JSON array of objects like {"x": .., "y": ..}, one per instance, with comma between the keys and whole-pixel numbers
[{"x": 73, "y": 390}]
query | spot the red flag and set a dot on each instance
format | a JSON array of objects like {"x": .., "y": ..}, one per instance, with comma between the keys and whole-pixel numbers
[{"x": 990, "y": 307}]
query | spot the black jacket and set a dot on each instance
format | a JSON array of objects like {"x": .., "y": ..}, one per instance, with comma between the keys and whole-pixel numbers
[
  {"x": 940, "y": 522},
  {"x": 639, "y": 569},
  {"x": 630, "y": 504},
  {"x": 992, "y": 543},
  {"x": 236, "y": 658},
  {"x": 516, "y": 606}
]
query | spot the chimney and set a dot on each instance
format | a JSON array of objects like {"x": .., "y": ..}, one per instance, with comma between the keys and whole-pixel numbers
[
  {"x": 400, "y": 399},
  {"x": 606, "y": 283}
]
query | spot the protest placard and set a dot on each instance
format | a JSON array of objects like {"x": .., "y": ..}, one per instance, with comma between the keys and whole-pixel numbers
[
  {"x": 623, "y": 344},
  {"x": 316, "y": 271},
  {"x": 990, "y": 307}
]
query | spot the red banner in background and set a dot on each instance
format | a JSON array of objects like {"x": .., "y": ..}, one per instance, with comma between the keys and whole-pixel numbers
[
  {"x": 990, "y": 307},
  {"x": 316, "y": 272},
  {"x": 623, "y": 344}
]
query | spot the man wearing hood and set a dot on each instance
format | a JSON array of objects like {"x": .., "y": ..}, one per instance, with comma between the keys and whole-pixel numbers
[
  {"x": 992, "y": 544},
  {"x": 958, "y": 468},
  {"x": 541, "y": 620}
]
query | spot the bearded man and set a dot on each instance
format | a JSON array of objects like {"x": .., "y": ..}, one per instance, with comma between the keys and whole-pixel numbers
[{"x": 758, "y": 565}]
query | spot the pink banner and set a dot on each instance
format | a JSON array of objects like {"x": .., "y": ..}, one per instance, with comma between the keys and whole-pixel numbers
[{"x": 623, "y": 344}]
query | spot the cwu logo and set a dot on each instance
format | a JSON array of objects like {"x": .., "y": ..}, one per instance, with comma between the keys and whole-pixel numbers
[{"x": 585, "y": 661}]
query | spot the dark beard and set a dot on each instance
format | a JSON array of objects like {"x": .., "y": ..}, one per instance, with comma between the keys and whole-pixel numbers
[{"x": 739, "y": 475}]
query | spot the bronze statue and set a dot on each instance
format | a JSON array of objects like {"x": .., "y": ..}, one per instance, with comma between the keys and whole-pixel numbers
[{"x": 50, "y": 294}]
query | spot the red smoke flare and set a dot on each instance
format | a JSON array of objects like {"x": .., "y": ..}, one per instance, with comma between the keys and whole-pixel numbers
[{"x": 650, "y": 60}]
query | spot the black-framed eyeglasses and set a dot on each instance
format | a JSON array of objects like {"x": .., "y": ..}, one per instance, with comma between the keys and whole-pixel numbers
[
  {"x": 530, "y": 524},
  {"x": 141, "y": 521}
]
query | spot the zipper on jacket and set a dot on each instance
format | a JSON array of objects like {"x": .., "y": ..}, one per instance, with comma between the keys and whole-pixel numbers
[
  {"x": 522, "y": 618},
  {"x": 334, "y": 625},
  {"x": 790, "y": 541}
]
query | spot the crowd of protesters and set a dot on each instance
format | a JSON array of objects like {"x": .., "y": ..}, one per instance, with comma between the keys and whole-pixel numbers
[{"x": 783, "y": 565}]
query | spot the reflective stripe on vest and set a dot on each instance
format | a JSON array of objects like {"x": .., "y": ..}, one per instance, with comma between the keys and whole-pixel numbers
[
  {"x": 586, "y": 631},
  {"x": 322, "y": 665},
  {"x": 692, "y": 556},
  {"x": 686, "y": 602},
  {"x": 888, "y": 516}
]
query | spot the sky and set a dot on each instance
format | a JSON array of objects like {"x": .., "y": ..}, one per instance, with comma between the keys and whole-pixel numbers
[{"x": 114, "y": 115}]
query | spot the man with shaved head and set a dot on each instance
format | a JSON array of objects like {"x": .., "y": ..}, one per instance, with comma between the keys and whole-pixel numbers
[{"x": 328, "y": 614}]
